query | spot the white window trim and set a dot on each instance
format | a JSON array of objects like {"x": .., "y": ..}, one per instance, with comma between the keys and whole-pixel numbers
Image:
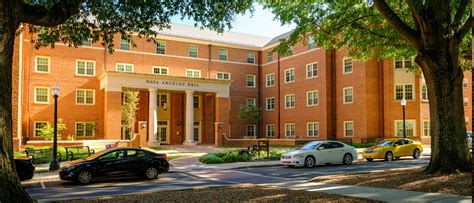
[
  {"x": 406, "y": 120},
  {"x": 129, "y": 44},
  {"x": 344, "y": 65},
  {"x": 85, "y": 103},
  {"x": 254, "y": 130},
  {"x": 307, "y": 129},
  {"x": 344, "y": 95},
  {"x": 266, "y": 103},
  {"x": 193, "y": 70},
  {"x": 266, "y": 80},
  {"x": 40, "y": 102},
  {"x": 403, "y": 63},
  {"x": 353, "y": 129},
  {"x": 294, "y": 101},
  {"x": 254, "y": 81},
  {"x": 421, "y": 91},
  {"x": 75, "y": 129},
  {"x": 268, "y": 61},
  {"x": 197, "y": 51},
  {"x": 157, "y": 47},
  {"x": 465, "y": 81},
  {"x": 266, "y": 130},
  {"x": 465, "y": 101},
  {"x": 124, "y": 64},
  {"x": 294, "y": 75},
  {"x": 34, "y": 127},
  {"x": 36, "y": 64},
  {"x": 307, "y": 76},
  {"x": 423, "y": 129},
  {"x": 160, "y": 67},
  {"x": 252, "y": 99},
  {"x": 404, "y": 92},
  {"x": 222, "y": 73},
  {"x": 226, "y": 54},
  {"x": 286, "y": 129},
  {"x": 307, "y": 97},
  {"x": 85, "y": 75},
  {"x": 247, "y": 57}
]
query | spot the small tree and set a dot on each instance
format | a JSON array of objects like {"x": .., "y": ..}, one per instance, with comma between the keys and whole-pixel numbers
[
  {"x": 47, "y": 131},
  {"x": 129, "y": 108},
  {"x": 250, "y": 114}
]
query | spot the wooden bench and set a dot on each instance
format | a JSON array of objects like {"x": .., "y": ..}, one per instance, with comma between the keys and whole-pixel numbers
[
  {"x": 78, "y": 151},
  {"x": 36, "y": 154}
]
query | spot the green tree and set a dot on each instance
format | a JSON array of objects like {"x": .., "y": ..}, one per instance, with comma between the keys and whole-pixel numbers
[
  {"x": 47, "y": 131},
  {"x": 436, "y": 32},
  {"x": 129, "y": 108},
  {"x": 250, "y": 114},
  {"x": 75, "y": 21}
]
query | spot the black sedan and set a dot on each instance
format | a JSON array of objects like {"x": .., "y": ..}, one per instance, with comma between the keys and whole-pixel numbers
[
  {"x": 115, "y": 163},
  {"x": 25, "y": 168}
]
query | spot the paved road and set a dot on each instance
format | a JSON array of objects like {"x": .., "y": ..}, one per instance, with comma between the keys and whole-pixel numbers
[{"x": 55, "y": 189}]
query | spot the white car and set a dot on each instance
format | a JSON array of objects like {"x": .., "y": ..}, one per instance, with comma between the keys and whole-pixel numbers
[{"x": 320, "y": 152}]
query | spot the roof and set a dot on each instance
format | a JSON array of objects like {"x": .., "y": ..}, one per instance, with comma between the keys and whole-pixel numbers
[{"x": 278, "y": 38}]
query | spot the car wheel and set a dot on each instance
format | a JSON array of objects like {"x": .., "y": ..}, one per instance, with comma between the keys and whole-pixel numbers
[
  {"x": 347, "y": 160},
  {"x": 309, "y": 162},
  {"x": 389, "y": 156},
  {"x": 151, "y": 173},
  {"x": 84, "y": 177},
  {"x": 416, "y": 154},
  {"x": 369, "y": 159}
]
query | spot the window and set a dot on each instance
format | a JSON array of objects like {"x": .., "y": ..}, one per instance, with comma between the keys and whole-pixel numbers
[
  {"x": 312, "y": 70},
  {"x": 348, "y": 128},
  {"x": 269, "y": 56},
  {"x": 160, "y": 47},
  {"x": 223, "y": 76},
  {"x": 311, "y": 42},
  {"x": 125, "y": 44},
  {"x": 347, "y": 65},
  {"x": 223, "y": 54},
  {"x": 348, "y": 99},
  {"x": 424, "y": 91},
  {"x": 251, "y": 102},
  {"x": 409, "y": 126},
  {"x": 426, "y": 128},
  {"x": 289, "y": 101},
  {"x": 158, "y": 70},
  {"x": 289, "y": 129},
  {"x": 87, "y": 42},
  {"x": 193, "y": 50},
  {"x": 38, "y": 126},
  {"x": 85, "y": 68},
  {"x": 41, "y": 95},
  {"x": 466, "y": 119},
  {"x": 312, "y": 129},
  {"x": 289, "y": 52},
  {"x": 270, "y": 80},
  {"x": 85, "y": 129},
  {"x": 250, "y": 58},
  {"x": 123, "y": 67},
  {"x": 465, "y": 83},
  {"x": 270, "y": 132},
  {"x": 196, "y": 102},
  {"x": 403, "y": 63},
  {"x": 42, "y": 64},
  {"x": 312, "y": 98},
  {"x": 85, "y": 96},
  {"x": 403, "y": 91},
  {"x": 251, "y": 81},
  {"x": 250, "y": 130},
  {"x": 289, "y": 75},
  {"x": 192, "y": 73},
  {"x": 270, "y": 104},
  {"x": 466, "y": 101}
]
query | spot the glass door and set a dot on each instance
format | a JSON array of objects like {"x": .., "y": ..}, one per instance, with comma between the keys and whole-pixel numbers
[{"x": 163, "y": 132}]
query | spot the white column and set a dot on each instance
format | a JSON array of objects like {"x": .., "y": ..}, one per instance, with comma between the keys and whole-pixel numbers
[
  {"x": 152, "y": 118},
  {"x": 189, "y": 119}
]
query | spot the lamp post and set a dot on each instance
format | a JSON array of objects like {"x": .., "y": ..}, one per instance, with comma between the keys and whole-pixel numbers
[
  {"x": 54, "y": 163},
  {"x": 404, "y": 103}
]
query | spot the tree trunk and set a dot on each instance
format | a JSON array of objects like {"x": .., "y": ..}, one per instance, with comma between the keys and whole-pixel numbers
[
  {"x": 444, "y": 77},
  {"x": 10, "y": 187}
]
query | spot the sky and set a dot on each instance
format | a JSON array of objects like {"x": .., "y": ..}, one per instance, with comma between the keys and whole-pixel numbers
[{"x": 261, "y": 23}]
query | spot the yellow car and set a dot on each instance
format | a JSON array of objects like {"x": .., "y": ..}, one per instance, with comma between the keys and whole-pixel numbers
[{"x": 389, "y": 149}]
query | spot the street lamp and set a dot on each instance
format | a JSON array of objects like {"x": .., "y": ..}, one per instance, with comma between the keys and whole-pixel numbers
[
  {"x": 404, "y": 103},
  {"x": 54, "y": 163}
]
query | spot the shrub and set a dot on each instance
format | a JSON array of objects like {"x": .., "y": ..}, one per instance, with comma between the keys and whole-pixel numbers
[
  {"x": 231, "y": 158},
  {"x": 211, "y": 158}
]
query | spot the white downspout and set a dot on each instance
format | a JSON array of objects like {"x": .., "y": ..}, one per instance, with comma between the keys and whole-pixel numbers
[{"x": 20, "y": 79}]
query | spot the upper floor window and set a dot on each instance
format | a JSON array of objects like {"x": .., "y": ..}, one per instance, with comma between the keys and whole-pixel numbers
[
  {"x": 193, "y": 73},
  {"x": 193, "y": 50},
  {"x": 403, "y": 91},
  {"x": 289, "y": 75},
  {"x": 158, "y": 70},
  {"x": 403, "y": 63},
  {"x": 348, "y": 97},
  {"x": 251, "y": 102},
  {"x": 424, "y": 91},
  {"x": 87, "y": 42},
  {"x": 223, "y": 76},
  {"x": 270, "y": 104},
  {"x": 465, "y": 83},
  {"x": 250, "y": 80},
  {"x": 196, "y": 102},
  {"x": 41, "y": 95},
  {"x": 84, "y": 96},
  {"x": 85, "y": 68},
  {"x": 289, "y": 101},
  {"x": 311, "y": 42},
  {"x": 160, "y": 47},
  {"x": 125, "y": 44},
  {"x": 269, "y": 56},
  {"x": 42, "y": 64},
  {"x": 347, "y": 65},
  {"x": 466, "y": 101},
  {"x": 250, "y": 58},
  {"x": 312, "y": 70},
  {"x": 123, "y": 67},
  {"x": 223, "y": 54},
  {"x": 312, "y": 98},
  {"x": 289, "y": 52},
  {"x": 270, "y": 79}
]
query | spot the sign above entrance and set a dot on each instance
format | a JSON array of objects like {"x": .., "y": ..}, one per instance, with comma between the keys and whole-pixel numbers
[{"x": 172, "y": 83}]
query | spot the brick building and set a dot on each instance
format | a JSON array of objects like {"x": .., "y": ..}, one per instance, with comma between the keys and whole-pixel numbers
[{"x": 192, "y": 83}]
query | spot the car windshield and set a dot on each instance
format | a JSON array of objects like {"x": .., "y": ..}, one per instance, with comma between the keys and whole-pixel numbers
[
  {"x": 384, "y": 143},
  {"x": 310, "y": 146}
]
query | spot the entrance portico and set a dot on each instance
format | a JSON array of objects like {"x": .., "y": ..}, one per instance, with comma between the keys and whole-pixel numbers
[{"x": 171, "y": 98}]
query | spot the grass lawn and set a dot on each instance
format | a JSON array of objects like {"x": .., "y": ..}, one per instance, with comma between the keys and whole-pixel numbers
[
  {"x": 407, "y": 179},
  {"x": 241, "y": 193}
]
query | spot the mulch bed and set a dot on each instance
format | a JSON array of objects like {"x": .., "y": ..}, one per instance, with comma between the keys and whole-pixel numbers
[
  {"x": 241, "y": 193},
  {"x": 409, "y": 179}
]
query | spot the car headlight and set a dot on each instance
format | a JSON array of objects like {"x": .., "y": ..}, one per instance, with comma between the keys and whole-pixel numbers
[
  {"x": 69, "y": 168},
  {"x": 299, "y": 156}
]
